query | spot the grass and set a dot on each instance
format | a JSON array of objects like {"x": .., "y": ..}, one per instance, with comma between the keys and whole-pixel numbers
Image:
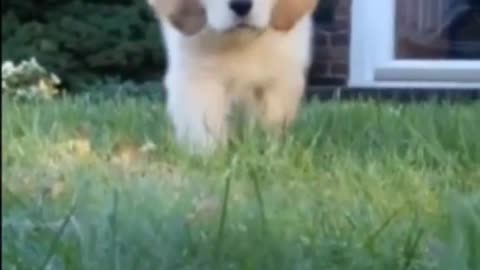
[{"x": 90, "y": 184}]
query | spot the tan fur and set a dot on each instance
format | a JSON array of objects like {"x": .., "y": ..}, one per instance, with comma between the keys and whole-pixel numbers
[
  {"x": 188, "y": 16},
  {"x": 288, "y": 12}
]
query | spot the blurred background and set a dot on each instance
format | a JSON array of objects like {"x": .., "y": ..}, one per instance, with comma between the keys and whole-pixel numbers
[{"x": 82, "y": 41}]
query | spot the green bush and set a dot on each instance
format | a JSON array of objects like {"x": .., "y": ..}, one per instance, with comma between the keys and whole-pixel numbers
[
  {"x": 28, "y": 80},
  {"x": 80, "y": 40}
]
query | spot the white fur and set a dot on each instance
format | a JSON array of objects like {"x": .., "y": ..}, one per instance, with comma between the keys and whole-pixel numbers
[
  {"x": 261, "y": 68},
  {"x": 220, "y": 17}
]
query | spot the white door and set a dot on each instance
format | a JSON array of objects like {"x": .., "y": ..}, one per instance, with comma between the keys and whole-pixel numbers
[{"x": 415, "y": 43}]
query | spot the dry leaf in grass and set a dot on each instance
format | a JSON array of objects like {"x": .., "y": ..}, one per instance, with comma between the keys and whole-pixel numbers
[
  {"x": 148, "y": 147},
  {"x": 80, "y": 147},
  {"x": 67, "y": 151},
  {"x": 83, "y": 131},
  {"x": 57, "y": 189},
  {"x": 205, "y": 210},
  {"x": 26, "y": 184},
  {"x": 125, "y": 154}
]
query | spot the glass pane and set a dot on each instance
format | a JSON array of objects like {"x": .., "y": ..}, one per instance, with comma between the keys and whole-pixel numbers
[{"x": 437, "y": 29}]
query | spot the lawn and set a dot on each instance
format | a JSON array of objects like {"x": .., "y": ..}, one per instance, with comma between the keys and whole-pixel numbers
[{"x": 99, "y": 184}]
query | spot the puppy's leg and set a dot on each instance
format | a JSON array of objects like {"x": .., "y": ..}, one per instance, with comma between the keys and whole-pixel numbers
[
  {"x": 280, "y": 101},
  {"x": 198, "y": 108}
]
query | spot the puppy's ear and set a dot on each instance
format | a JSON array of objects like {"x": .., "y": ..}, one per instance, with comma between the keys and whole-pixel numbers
[
  {"x": 286, "y": 13},
  {"x": 188, "y": 16}
]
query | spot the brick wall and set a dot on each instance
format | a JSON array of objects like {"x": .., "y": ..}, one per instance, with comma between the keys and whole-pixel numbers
[{"x": 331, "y": 48}]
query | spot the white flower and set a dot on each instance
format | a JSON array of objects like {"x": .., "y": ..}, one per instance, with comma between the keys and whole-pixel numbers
[{"x": 28, "y": 80}]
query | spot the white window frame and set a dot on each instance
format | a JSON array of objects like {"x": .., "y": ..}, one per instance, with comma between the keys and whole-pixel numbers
[{"x": 372, "y": 61}]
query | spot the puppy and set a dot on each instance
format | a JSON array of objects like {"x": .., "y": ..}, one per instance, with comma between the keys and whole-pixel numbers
[{"x": 222, "y": 52}]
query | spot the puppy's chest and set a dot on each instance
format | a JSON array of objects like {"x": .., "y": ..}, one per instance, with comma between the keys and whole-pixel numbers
[
  {"x": 244, "y": 82},
  {"x": 254, "y": 67}
]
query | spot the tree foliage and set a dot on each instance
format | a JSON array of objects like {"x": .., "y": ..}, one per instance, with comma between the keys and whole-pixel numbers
[{"x": 82, "y": 39}]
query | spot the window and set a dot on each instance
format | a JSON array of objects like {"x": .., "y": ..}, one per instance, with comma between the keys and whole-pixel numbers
[{"x": 418, "y": 43}]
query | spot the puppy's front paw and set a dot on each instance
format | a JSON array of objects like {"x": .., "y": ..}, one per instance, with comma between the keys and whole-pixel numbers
[{"x": 198, "y": 113}]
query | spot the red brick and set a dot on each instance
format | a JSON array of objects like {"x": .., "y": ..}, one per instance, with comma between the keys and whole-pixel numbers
[
  {"x": 331, "y": 48},
  {"x": 339, "y": 68},
  {"x": 321, "y": 52},
  {"x": 341, "y": 20},
  {"x": 319, "y": 68},
  {"x": 322, "y": 38},
  {"x": 340, "y": 38},
  {"x": 344, "y": 3},
  {"x": 343, "y": 8},
  {"x": 338, "y": 53},
  {"x": 342, "y": 25}
]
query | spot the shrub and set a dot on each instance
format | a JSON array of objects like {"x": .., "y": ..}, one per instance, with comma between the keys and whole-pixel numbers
[
  {"x": 28, "y": 81},
  {"x": 81, "y": 40}
]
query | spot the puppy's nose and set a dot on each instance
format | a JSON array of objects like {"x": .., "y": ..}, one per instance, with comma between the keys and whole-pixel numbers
[{"x": 241, "y": 7}]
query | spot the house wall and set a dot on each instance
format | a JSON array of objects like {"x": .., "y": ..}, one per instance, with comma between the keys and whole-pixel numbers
[
  {"x": 331, "y": 48},
  {"x": 437, "y": 30}
]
